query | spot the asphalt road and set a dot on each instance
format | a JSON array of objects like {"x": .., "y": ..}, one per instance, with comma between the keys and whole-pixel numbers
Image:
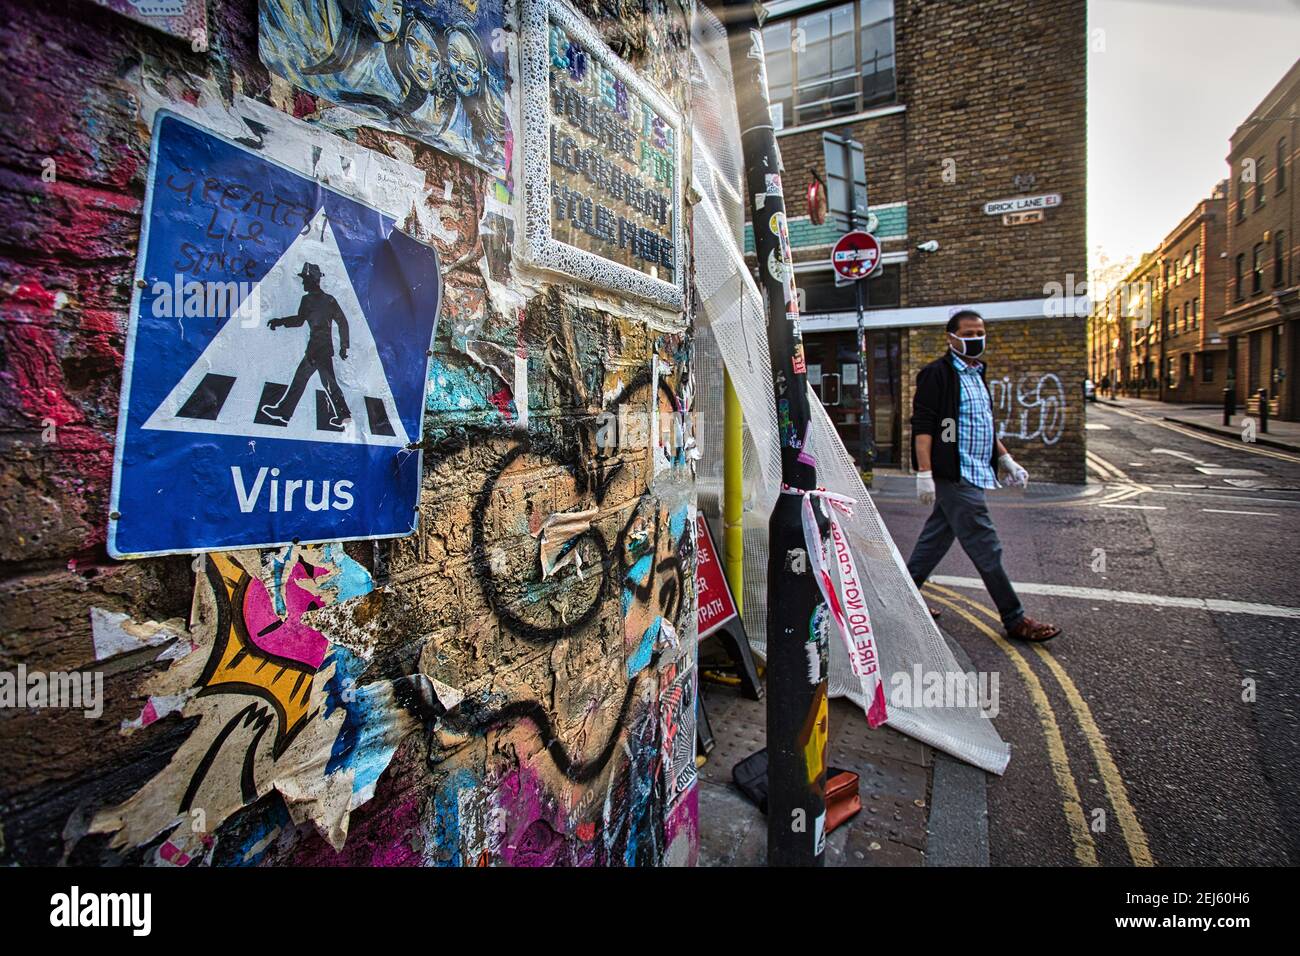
[{"x": 1150, "y": 731}]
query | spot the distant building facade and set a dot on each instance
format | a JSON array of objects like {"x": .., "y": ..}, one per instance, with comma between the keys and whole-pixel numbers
[
  {"x": 1261, "y": 320},
  {"x": 950, "y": 121}
]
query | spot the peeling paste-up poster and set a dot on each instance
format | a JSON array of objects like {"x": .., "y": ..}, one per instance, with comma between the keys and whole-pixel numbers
[
  {"x": 432, "y": 69},
  {"x": 187, "y": 19}
]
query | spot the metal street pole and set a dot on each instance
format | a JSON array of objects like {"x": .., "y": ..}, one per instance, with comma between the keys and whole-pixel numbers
[
  {"x": 866, "y": 441},
  {"x": 797, "y": 721}
]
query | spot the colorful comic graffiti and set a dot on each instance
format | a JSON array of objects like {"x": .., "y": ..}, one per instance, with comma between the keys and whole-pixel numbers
[
  {"x": 279, "y": 705},
  {"x": 431, "y": 69}
]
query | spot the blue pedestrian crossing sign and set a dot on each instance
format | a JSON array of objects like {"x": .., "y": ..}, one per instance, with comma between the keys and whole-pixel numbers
[{"x": 277, "y": 359}]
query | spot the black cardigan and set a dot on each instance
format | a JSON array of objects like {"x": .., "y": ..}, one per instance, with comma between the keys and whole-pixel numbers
[{"x": 938, "y": 397}]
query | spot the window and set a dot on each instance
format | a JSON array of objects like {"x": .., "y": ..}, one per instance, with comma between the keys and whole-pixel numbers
[
  {"x": 833, "y": 62},
  {"x": 1241, "y": 199},
  {"x": 1257, "y": 269},
  {"x": 1207, "y": 367},
  {"x": 1186, "y": 372},
  {"x": 1174, "y": 330},
  {"x": 1259, "y": 183},
  {"x": 1196, "y": 259},
  {"x": 1169, "y": 371},
  {"x": 1255, "y": 341},
  {"x": 1281, "y": 164},
  {"x": 876, "y": 23},
  {"x": 1238, "y": 287},
  {"x": 778, "y": 56},
  {"x": 1279, "y": 254},
  {"x": 1196, "y": 314}
]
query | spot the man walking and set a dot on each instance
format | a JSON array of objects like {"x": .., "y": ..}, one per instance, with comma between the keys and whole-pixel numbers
[
  {"x": 320, "y": 311},
  {"x": 955, "y": 451}
]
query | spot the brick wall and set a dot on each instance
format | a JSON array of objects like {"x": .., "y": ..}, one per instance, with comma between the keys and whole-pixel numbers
[
  {"x": 446, "y": 702},
  {"x": 994, "y": 98},
  {"x": 1036, "y": 370},
  {"x": 993, "y": 91}
]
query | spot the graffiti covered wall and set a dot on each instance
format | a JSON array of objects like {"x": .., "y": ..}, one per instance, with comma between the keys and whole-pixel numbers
[{"x": 513, "y": 683}]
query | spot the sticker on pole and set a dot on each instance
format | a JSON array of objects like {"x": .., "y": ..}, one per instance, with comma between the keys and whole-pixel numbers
[
  {"x": 276, "y": 360},
  {"x": 856, "y": 255}
]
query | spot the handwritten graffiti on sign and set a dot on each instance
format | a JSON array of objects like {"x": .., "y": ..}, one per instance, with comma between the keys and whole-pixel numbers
[
  {"x": 431, "y": 69},
  {"x": 1031, "y": 409},
  {"x": 602, "y": 171}
]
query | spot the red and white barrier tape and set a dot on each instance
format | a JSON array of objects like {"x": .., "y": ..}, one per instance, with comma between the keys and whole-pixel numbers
[{"x": 844, "y": 595}]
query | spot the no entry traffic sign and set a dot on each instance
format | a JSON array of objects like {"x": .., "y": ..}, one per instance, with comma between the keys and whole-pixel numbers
[{"x": 856, "y": 255}]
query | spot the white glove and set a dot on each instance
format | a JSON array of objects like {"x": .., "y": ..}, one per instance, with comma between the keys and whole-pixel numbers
[
  {"x": 925, "y": 487},
  {"x": 1013, "y": 473}
]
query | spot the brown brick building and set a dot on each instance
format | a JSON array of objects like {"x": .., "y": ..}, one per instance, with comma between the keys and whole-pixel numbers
[
  {"x": 1261, "y": 320},
  {"x": 1217, "y": 304},
  {"x": 957, "y": 106},
  {"x": 1192, "y": 273}
]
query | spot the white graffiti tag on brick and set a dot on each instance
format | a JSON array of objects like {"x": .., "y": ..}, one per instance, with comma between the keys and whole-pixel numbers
[{"x": 1034, "y": 408}]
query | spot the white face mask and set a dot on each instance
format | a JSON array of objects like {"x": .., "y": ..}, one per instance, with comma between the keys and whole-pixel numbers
[{"x": 970, "y": 348}]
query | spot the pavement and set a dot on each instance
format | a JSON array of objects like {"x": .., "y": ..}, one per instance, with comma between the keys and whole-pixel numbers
[
  {"x": 919, "y": 806},
  {"x": 1209, "y": 418}
]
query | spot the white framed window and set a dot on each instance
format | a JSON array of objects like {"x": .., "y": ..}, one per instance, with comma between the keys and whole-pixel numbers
[{"x": 835, "y": 60}]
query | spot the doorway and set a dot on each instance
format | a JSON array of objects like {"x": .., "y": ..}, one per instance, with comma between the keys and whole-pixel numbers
[{"x": 832, "y": 359}]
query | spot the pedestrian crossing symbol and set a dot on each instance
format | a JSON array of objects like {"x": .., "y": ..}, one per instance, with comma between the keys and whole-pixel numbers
[
  {"x": 277, "y": 358},
  {"x": 253, "y": 375}
]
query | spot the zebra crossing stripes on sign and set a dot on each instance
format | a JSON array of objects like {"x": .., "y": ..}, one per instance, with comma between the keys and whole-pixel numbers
[{"x": 277, "y": 357}]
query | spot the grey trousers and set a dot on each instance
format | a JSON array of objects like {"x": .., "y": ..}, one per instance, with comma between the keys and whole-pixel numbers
[{"x": 960, "y": 512}]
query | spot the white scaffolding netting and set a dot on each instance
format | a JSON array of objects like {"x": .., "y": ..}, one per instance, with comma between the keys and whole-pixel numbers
[{"x": 732, "y": 333}]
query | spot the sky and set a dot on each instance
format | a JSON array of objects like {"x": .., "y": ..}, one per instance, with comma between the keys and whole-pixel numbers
[{"x": 1168, "y": 82}]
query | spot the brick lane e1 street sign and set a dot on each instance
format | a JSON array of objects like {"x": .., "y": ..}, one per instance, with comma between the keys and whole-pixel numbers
[
  {"x": 856, "y": 254},
  {"x": 276, "y": 359},
  {"x": 1022, "y": 204}
]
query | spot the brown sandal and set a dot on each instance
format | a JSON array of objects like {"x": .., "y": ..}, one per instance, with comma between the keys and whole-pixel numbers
[{"x": 1035, "y": 632}]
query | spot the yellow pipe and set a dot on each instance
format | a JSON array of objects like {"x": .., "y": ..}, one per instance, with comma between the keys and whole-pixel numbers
[{"x": 733, "y": 491}]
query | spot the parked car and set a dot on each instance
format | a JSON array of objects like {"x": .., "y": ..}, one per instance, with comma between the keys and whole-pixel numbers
[{"x": 1089, "y": 390}]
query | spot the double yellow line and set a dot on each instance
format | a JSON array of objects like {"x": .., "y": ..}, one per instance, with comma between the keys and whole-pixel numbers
[{"x": 1085, "y": 850}]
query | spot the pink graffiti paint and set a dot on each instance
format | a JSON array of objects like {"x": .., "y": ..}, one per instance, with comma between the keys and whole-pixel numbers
[
  {"x": 173, "y": 854},
  {"x": 501, "y": 399},
  {"x": 380, "y": 833},
  {"x": 682, "y": 830},
  {"x": 535, "y": 826},
  {"x": 288, "y": 638}
]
